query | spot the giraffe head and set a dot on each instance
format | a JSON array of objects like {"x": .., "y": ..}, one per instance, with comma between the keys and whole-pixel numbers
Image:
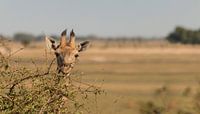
[{"x": 67, "y": 53}]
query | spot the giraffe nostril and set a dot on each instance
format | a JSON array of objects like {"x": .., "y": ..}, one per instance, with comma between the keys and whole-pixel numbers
[
  {"x": 57, "y": 54},
  {"x": 76, "y": 55}
]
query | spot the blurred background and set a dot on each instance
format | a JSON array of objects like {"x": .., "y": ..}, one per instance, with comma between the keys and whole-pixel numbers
[{"x": 144, "y": 54}]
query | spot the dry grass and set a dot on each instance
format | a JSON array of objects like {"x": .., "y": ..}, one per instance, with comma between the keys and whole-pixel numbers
[{"x": 129, "y": 74}]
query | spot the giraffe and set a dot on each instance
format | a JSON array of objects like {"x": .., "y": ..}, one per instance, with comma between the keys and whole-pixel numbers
[{"x": 66, "y": 52}]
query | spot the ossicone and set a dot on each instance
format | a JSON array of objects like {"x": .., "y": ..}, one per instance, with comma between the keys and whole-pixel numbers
[
  {"x": 72, "y": 33},
  {"x": 64, "y": 33}
]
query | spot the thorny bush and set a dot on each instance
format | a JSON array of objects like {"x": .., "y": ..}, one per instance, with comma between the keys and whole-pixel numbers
[{"x": 24, "y": 90}]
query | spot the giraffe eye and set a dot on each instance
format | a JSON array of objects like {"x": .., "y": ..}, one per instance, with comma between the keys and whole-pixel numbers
[{"x": 76, "y": 55}]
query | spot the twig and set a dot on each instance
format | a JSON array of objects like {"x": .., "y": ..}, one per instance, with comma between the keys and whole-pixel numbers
[
  {"x": 29, "y": 77},
  {"x": 11, "y": 54},
  {"x": 37, "y": 70},
  {"x": 49, "y": 101},
  {"x": 80, "y": 82},
  {"x": 10, "y": 99}
]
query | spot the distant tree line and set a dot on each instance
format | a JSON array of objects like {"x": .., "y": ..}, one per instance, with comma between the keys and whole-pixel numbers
[
  {"x": 26, "y": 38},
  {"x": 185, "y": 36}
]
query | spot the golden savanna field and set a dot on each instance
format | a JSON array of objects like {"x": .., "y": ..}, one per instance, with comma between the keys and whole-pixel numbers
[
  {"x": 132, "y": 75},
  {"x": 99, "y": 57}
]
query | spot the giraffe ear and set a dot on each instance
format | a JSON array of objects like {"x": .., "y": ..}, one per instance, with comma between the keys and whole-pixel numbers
[
  {"x": 83, "y": 46},
  {"x": 50, "y": 43}
]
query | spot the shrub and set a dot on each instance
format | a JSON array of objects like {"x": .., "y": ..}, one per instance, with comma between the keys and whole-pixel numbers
[
  {"x": 24, "y": 90},
  {"x": 151, "y": 108},
  {"x": 162, "y": 103}
]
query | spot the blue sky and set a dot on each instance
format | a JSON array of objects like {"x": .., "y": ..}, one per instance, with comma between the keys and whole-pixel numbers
[{"x": 148, "y": 18}]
